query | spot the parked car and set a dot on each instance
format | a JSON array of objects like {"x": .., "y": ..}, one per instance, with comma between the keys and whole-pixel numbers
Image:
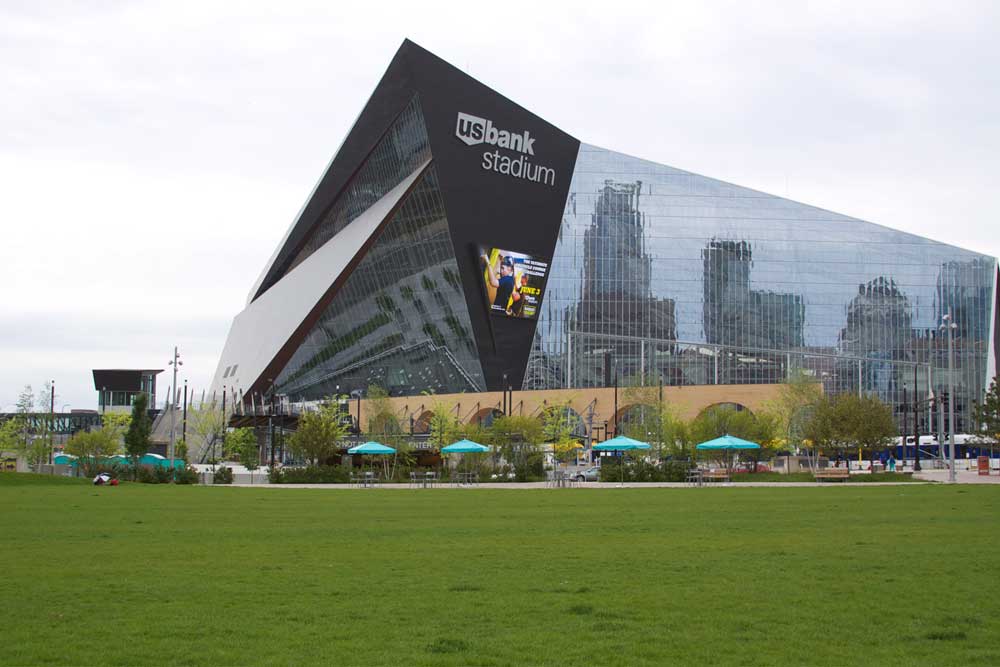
[{"x": 591, "y": 474}]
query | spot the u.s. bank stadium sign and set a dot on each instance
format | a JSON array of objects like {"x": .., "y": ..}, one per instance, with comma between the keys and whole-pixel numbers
[{"x": 472, "y": 131}]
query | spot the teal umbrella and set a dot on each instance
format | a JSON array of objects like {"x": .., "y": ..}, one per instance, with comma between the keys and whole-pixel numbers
[
  {"x": 728, "y": 442},
  {"x": 64, "y": 459},
  {"x": 371, "y": 448},
  {"x": 621, "y": 443},
  {"x": 465, "y": 447}
]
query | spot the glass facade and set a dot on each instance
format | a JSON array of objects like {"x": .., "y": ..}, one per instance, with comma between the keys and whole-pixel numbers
[
  {"x": 663, "y": 274},
  {"x": 400, "y": 320},
  {"x": 398, "y": 153}
]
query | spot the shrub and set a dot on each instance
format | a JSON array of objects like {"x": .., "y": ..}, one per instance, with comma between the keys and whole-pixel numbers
[
  {"x": 186, "y": 475},
  {"x": 644, "y": 471},
  {"x": 275, "y": 475},
  {"x": 223, "y": 475},
  {"x": 156, "y": 475},
  {"x": 315, "y": 475},
  {"x": 531, "y": 469}
]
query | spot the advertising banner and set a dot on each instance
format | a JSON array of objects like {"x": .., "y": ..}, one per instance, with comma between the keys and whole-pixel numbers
[{"x": 514, "y": 282}]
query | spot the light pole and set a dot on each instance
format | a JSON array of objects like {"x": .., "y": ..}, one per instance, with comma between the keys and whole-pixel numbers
[
  {"x": 173, "y": 404},
  {"x": 949, "y": 327}
]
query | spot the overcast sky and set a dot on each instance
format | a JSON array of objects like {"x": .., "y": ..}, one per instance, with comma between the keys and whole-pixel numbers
[{"x": 152, "y": 154}]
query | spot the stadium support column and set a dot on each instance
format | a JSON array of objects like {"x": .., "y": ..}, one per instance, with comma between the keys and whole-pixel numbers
[
  {"x": 916, "y": 424},
  {"x": 52, "y": 418}
]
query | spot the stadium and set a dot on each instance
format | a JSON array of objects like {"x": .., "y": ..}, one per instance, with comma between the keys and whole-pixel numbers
[{"x": 459, "y": 244}]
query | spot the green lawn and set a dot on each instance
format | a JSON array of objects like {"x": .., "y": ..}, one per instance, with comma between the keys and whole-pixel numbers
[{"x": 751, "y": 576}]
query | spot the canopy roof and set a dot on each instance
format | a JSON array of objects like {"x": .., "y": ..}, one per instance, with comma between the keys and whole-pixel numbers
[
  {"x": 728, "y": 442},
  {"x": 464, "y": 447},
  {"x": 620, "y": 443},
  {"x": 371, "y": 448}
]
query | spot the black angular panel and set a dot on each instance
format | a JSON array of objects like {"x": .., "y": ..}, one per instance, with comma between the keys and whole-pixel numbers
[{"x": 487, "y": 204}]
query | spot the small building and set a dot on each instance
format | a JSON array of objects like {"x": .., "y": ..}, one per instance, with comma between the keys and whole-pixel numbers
[{"x": 117, "y": 388}]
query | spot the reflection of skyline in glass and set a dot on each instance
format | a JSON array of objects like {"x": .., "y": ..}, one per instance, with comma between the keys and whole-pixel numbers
[{"x": 749, "y": 270}]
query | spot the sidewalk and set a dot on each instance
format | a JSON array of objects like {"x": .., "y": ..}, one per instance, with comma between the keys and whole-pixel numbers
[
  {"x": 588, "y": 485},
  {"x": 961, "y": 477}
]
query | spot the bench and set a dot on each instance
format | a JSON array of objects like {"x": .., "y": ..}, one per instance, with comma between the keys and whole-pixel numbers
[
  {"x": 832, "y": 475},
  {"x": 715, "y": 476}
]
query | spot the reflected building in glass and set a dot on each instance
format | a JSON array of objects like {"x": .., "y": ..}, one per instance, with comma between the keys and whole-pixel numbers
[
  {"x": 650, "y": 274},
  {"x": 759, "y": 286}
]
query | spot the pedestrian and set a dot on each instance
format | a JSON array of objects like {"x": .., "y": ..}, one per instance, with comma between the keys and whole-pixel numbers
[{"x": 892, "y": 463}]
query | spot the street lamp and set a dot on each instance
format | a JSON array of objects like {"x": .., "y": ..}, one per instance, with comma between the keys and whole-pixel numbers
[
  {"x": 173, "y": 403},
  {"x": 949, "y": 326}
]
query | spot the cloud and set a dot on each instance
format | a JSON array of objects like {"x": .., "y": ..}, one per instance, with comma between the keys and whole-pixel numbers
[{"x": 152, "y": 154}]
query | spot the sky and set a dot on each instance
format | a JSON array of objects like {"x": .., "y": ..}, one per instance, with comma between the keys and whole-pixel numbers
[{"x": 152, "y": 154}]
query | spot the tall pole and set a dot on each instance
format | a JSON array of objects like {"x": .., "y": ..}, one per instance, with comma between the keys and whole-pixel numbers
[
  {"x": 906, "y": 407},
  {"x": 184, "y": 423},
  {"x": 173, "y": 405},
  {"x": 616, "y": 402},
  {"x": 951, "y": 400},
  {"x": 52, "y": 418},
  {"x": 916, "y": 424}
]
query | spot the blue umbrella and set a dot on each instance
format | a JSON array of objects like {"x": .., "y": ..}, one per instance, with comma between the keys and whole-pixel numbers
[
  {"x": 621, "y": 443},
  {"x": 371, "y": 448},
  {"x": 465, "y": 447},
  {"x": 728, "y": 442}
]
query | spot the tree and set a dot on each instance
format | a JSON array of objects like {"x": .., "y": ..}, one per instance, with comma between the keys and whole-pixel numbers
[
  {"x": 558, "y": 422},
  {"x": 384, "y": 425},
  {"x": 46, "y": 399},
  {"x": 847, "y": 420},
  {"x": 517, "y": 439},
  {"x": 92, "y": 447},
  {"x": 10, "y": 436},
  {"x": 442, "y": 426},
  {"x": 721, "y": 420},
  {"x": 137, "y": 436},
  {"x": 797, "y": 398},
  {"x": 318, "y": 435},
  {"x": 206, "y": 430},
  {"x": 243, "y": 443},
  {"x": 987, "y": 414}
]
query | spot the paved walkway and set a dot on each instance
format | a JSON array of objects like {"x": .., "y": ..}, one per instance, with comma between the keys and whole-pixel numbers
[
  {"x": 585, "y": 485},
  {"x": 962, "y": 477}
]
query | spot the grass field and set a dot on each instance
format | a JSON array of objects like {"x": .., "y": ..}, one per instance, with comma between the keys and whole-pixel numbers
[{"x": 751, "y": 576}]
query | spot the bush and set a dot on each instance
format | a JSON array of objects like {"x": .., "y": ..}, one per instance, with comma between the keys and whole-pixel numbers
[
  {"x": 275, "y": 475},
  {"x": 186, "y": 475},
  {"x": 156, "y": 475},
  {"x": 315, "y": 475},
  {"x": 223, "y": 475},
  {"x": 645, "y": 471},
  {"x": 531, "y": 469}
]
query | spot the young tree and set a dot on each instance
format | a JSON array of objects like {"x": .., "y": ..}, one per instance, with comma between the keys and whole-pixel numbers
[
  {"x": 384, "y": 426},
  {"x": 11, "y": 436},
  {"x": 797, "y": 398},
  {"x": 206, "y": 431},
  {"x": 26, "y": 400},
  {"x": 137, "y": 436},
  {"x": 92, "y": 447},
  {"x": 243, "y": 443},
  {"x": 517, "y": 439},
  {"x": 846, "y": 420},
  {"x": 319, "y": 434},
  {"x": 987, "y": 414},
  {"x": 865, "y": 421},
  {"x": 442, "y": 426}
]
